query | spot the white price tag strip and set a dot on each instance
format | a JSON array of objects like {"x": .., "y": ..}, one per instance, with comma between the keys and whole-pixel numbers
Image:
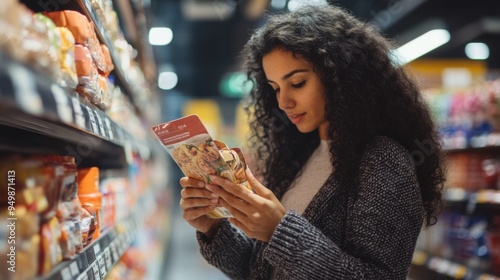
[
  {"x": 110, "y": 130},
  {"x": 77, "y": 109},
  {"x": 26, "y": 92},
  {"x": 107, "y": 258},
  {"x": 95, "y": 269},
  {"x": 93, "y": 123},
  {"x": 66, "y": 274},
  {"x": 88, "y": 5},
  {"x": 63, "y": 108},
  {"x": 102, "y": 265},
  {"x": 100, "y": 123},
  {"x": 97, "y": 249},
  {"x": 74, "y": 269}
]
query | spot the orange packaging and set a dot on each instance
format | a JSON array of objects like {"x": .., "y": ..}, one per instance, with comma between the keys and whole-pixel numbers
[
  {"x": 88, "y": 181},
  {"x": 109, "y": 62},
  {"x": 90, "y": 196},
  {"x": 76, "y": 22},
  {"x": 84, "y": 65}
]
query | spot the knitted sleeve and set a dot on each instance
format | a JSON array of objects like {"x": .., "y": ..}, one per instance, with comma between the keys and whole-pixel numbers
[
  {"x": 383, "y": 223},
  {"x": 230, "y": 251}
]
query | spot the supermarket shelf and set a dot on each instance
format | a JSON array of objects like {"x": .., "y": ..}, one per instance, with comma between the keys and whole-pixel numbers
[
  {"x": 85, "y": 7},
  {"x": 89, "y": 11},
  {"x": 470, "y": 202},
  {"x": 32, "y": 103},
  {"x": 96, "y": 260},
  {"x": 439, "y": 268}
]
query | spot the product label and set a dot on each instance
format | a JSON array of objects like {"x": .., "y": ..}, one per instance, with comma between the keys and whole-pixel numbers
[{"x": 198, "y": 155}]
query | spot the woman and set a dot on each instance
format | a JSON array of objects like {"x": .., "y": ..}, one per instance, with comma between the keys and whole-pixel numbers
[{"x": 351, "y": 161}]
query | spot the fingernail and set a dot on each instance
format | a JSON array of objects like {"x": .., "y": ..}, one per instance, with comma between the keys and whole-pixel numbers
[
  {"x": 214, "y": 195},
  {"x": 201, "y": 184},
  {"x": 214, "y": 201},
  {"x": 209, "y": 187},
  {"x": 212, "y": 177}
]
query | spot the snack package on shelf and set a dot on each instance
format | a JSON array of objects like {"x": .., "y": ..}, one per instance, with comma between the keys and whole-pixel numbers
[
  {"x": 83, "y": 32},
  {"x": 198, "y": 155},
  {"x": 52, "y": 41},
  {"x": 75, "y": 22},
  {"x": 107, "y": 58},
  {"x": 96, "y": 50},
  {"x": 88, "y": 77},
  {"x": 69, "y": 78},
  {"x": 91, "y": 199}
]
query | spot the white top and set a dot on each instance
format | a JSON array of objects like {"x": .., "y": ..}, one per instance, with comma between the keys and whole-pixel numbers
[{"x": 314, "y": 174}]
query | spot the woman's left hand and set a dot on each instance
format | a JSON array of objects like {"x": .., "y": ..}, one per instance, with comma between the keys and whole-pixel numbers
[{"x": 257, "y": 214}]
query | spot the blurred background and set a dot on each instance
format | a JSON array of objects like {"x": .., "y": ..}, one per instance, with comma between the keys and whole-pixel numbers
[{"x": 93, "y": 194}]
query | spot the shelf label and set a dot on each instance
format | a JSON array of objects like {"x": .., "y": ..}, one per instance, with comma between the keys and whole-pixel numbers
[
  {"x": 26, "y": 92},
  {"x": 93, "y": 123},
  {"x": 95, "y": 269},
  {"x": 100, "y": 123},
  {"x": 66, "y": 274},
  {"x": 102, "y": 265},
  {"x": 110, "y": 130},
  {"x": 63, "y": 108},
  {"x": 77, "y": 109},
  {"x": 88, "y": 6},
  {"x": 97, "y": 248},
  {"x": 107, "y": 258},
  {"x": 83, "y": 276},
  {"x": 74, "y": 269}
]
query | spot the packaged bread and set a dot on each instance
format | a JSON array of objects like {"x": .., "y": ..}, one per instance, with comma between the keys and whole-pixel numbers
[
  {"x": 69, "y": 78},
  {"x": 87, "y": 73},
  {"x": 107, "y": 58},
  {"x": 75, "y": 22}
]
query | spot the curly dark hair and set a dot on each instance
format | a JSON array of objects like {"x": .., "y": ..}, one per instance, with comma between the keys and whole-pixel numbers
[{"x": 367, "y": 95}]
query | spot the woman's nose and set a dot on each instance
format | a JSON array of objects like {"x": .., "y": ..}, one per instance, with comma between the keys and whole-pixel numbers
[{"x": 284, "y": 101}]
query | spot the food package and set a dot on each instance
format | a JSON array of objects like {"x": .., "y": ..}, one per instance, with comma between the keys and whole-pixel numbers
[
  {"x": 87, "y": 74},
  {"x": 69, "y": 78},
  {"x": 198, "y": 155},
  {"x": 52, "y": 43},
  {"x": 107, "y": 58},
  {"x": 75, "y": 22},
  {"x": 96, "y": 50},
  {"x": 103, "y": 93}
]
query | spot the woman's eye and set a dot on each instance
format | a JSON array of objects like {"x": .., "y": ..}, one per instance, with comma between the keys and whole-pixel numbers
[{"x": 299, "y": 85}]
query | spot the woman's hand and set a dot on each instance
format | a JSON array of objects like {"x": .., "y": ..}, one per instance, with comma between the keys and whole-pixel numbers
[
  {"x": 196, "y": 202},
  {"x": 257, "y": 214}
]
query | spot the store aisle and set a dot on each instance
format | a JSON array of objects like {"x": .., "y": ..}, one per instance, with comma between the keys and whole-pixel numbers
[{"x": 183, "y": 260}]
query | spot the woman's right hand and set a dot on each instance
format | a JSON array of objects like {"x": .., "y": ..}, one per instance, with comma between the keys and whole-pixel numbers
[{"x": 196, "y": 202}]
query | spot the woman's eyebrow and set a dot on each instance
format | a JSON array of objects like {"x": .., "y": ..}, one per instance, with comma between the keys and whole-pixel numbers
[{"x": 290, "y": 74}]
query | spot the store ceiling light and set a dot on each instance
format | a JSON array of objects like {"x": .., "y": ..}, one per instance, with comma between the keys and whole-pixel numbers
[
  {"x": 420, "y": 46},
  {"x": 167, "y": 80},
  {"x": 477, "y": 51},
  {"x": 294, "y": 5},
  {"x": 160, "y": 36}
]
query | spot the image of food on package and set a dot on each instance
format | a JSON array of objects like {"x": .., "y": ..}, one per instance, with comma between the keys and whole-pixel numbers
[{"x": 200, "y": 160}]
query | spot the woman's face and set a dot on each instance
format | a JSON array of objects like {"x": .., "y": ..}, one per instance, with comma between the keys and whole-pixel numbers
[{"x": 298, "y": 89}]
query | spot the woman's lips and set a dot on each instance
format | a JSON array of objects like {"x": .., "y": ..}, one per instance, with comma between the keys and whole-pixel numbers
[{"x": 296, "y": 118}]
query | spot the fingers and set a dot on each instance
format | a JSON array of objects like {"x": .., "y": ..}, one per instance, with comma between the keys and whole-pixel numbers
[
  {"x": 230, "y": 187},
  {"x": 190, "y": 182},
  {"x": 229, "y": 198},
  {"x": 193, "y": 213},
  {"x": 189, "y": 192},
  {"x": 256, "y": 185}
]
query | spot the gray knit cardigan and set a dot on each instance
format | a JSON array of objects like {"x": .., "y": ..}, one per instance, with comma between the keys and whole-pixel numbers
[{"x": 339, "y": 236}]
